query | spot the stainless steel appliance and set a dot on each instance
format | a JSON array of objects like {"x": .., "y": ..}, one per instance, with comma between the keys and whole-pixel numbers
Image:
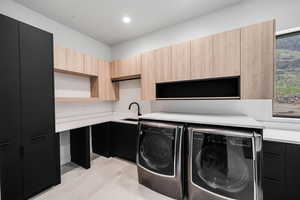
[
  {"x": 159, "y": 157},
  {"x": 224, "y": 164}
]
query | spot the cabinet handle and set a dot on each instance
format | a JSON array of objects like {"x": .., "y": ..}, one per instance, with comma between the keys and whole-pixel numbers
[
  {"x": 4, "y": 144},
  {"x": 39, "y": 137}
]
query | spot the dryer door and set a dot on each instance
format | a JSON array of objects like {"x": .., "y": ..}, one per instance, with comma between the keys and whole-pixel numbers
[
  {"x": 157, "y": 149},
  {"x": 222, "y": 164}
]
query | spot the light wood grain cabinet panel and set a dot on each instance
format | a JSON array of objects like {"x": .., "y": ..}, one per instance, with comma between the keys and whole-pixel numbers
[
  {"x": 163, "y": 65},
  {"x": 129, "y": 67},
  {"x": 60, "y": 57},
  {"x": 90, "y": 65},
  {"x": 148, "y": 76},
  {"x": 75, "y": 61},
  {"x": 258, "y": 47},
  {"x": 202, "y": 58},
  {"x": 181, "y": 61},
  {"x": 107, "y": 90},
  {"x": 227, "y": 54}
]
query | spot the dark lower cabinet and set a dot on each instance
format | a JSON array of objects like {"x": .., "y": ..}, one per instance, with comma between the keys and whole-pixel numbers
[
  {"x": 292, "y": 171},
  {"x": 29, "y": 147},
  {"x": 281, "y": 174},
  {"x": 115, "y": 139},
  {"x": 10, "y": 172},
  {"x": 124, "y": 140},
  {"x": 40, "y": 162},
  {"x": 80, "y": 147},
  {"x": 101, "y": 139}
]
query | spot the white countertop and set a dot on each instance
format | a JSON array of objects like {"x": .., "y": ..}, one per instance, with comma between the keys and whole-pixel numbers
[
  {"x": 286, "y": 136},
  {"x": 78, "y": 122},
  {"x": 269, "y": 134},
  {"x": 223, "y": 120}
]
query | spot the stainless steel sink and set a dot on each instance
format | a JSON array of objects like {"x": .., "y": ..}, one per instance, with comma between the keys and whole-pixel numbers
[{"x": 131, "y": 119}]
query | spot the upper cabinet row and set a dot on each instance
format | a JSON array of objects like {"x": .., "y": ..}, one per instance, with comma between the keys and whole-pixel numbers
[
  {"x": 247, "y": 52},
  {"x": 72, "y": 61},
  {"x": 126, "y": 68}
]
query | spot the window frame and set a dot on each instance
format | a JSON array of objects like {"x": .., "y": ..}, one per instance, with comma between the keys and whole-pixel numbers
[{"x": 284, "y": 33}]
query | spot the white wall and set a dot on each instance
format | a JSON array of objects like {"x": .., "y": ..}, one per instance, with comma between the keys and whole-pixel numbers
[
  {"x": 65, "y": 85},
  {"x": 247, "y": 12},
  {"x": 286, "y": 12},
  {"x": 130, "y": 91}
]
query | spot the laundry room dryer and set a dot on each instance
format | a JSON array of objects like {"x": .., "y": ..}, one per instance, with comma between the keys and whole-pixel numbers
[
  {"x": 159, "y": 157},
  {"x": 224, "y": 164}
]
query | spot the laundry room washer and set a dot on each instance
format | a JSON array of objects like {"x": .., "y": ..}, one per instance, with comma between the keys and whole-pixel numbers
[
  {"x": 224, "y": 164},
  {"x": 159, "y": 157}
]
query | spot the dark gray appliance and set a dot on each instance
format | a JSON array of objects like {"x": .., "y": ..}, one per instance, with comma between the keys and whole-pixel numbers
[
  {"x": 159, "y": 159},
  {"x": 224, "y": 164}
]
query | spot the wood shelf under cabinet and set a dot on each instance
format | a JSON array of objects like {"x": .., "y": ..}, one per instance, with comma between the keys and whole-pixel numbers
[
  {"x": 74, "y": 73},
  {"x": 76, "y": 99}
]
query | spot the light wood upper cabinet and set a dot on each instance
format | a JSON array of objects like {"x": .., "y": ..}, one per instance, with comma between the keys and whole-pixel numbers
[
  {"x": 75, "y": 61},
  {"x": 163, "y": 65},
  {"x": 202, "y": 58},
  {"x": 227, "y": 54},
  {"x": 129, "y": 67},
  {"x": 181, "y": 61},
  {"x": 258, "y": 46},
  {"x": 108, "y": 91},
  {"x": 60, "y": 57},
  {"x": 148, "y": 76},
  {"x": 90, "y": 65}
]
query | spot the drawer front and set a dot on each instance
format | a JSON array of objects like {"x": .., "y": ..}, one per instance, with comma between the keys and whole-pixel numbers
[
  {"x": 274, "y": 148},
  {"x": 273, "y": 167},
  {"x": 272, "y": 190}
]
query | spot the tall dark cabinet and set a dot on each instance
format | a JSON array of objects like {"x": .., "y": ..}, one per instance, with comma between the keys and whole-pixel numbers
[{"x": 29, "y": 147}]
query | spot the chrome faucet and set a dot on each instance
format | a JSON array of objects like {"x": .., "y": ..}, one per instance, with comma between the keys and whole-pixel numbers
[{"x": 139, "y": 112}]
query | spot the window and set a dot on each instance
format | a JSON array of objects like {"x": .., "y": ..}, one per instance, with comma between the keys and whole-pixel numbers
[{"x": 287, "y": 77}]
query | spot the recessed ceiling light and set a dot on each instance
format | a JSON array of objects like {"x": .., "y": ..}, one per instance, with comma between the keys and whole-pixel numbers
[{"x": 126, "y": 20}]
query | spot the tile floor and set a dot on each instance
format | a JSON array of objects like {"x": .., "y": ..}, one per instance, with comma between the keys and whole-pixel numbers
[{"x": 107, "y": 179}]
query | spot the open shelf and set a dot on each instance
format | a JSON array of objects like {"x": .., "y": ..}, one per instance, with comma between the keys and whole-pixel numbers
[
  {"x": 212, "y": 88},
  {"x": 76, "y": 99}
]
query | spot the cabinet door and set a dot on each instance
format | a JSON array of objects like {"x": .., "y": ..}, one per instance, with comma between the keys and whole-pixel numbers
[
  {"x": 124, "y": 140},
  {"x": 129, "y": 67},
  {"x": 101, "y": 139},
  {"x": 60, "y": 58},
  {"x": 202, "y": 58},
  {"x": 148, "y": 76},
  {"x": 292, "y": 171},
  {"x": 163, "y": 65},
  {"x": 90, "y": 65},
  {"x": 273, "y": 170},
  {"x": 227, "y": 54},
  {"x": 80, "y": 146},
  {"x": 10, "y": 171},
  {"x": 108, "y": 91},
  {"x": 257, "y": 66},
  {"x": 41, "y": 147},
  {"x": 75, "y": 61},
  {"x": 181, "y": 61}
]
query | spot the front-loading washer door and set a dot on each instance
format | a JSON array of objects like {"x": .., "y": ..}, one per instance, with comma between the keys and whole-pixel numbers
[
  {"x": 223, "y": 165},
  {"x": 157, "y": 149}
]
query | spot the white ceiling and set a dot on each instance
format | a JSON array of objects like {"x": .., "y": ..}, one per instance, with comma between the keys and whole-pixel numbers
[{"x": 102, "y": 19}]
